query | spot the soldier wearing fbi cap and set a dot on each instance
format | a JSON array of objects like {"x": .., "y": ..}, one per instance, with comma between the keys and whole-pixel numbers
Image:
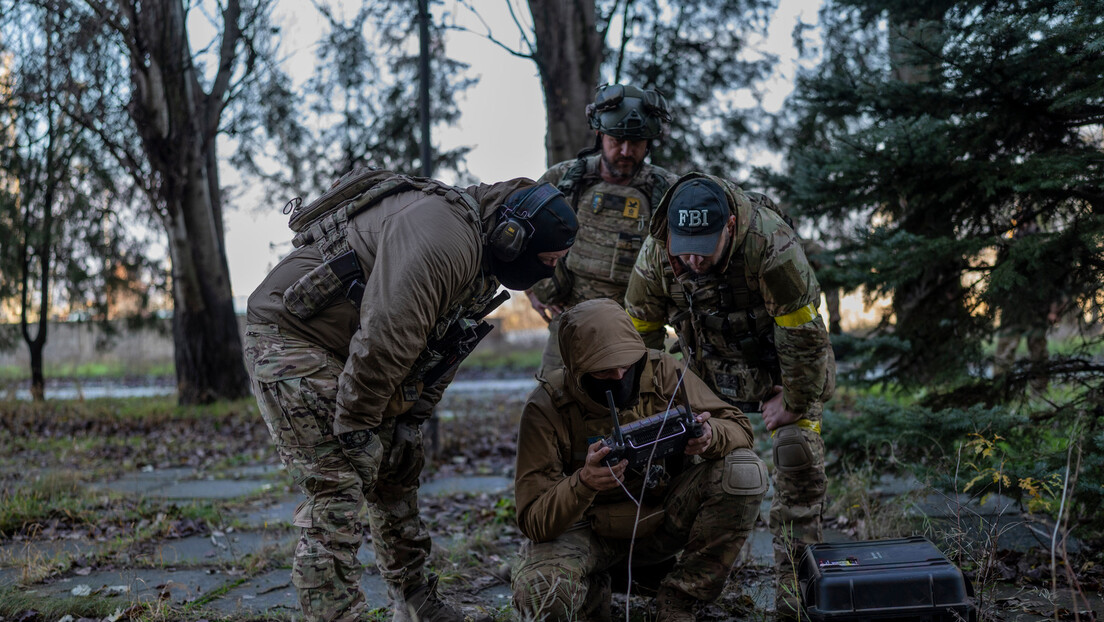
[
  {"x": 725, "y": 270},
  {"x": 613, "y": 191}
]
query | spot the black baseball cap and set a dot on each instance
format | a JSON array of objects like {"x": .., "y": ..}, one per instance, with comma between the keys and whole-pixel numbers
[{"x": 696, "y": 216}]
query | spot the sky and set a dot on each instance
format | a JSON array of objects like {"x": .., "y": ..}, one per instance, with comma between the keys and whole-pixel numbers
[{"x": 502, "y": 120}]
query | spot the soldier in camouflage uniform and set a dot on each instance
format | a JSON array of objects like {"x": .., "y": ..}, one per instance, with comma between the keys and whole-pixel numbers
[
  {"x": 580, "y": 516},
  {"x": 725, "y": 270},
  {"x": 335, "y": 346},
  {"x": 613, "y": 191}
]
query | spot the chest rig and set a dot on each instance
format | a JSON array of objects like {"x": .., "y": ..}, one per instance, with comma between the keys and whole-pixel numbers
[
  {"x": 613, "y": 221},
  {"x": 731, "y": 332},
  {"x": 324, "y": 223}
]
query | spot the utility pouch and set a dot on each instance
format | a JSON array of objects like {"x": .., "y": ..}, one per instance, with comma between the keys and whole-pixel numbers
[
  {"x": 313, "y": 292},
  {"x": 616, "y": 520}
]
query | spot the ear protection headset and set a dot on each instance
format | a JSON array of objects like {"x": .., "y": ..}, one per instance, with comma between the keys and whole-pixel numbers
[{"x": 514, "y": 231}]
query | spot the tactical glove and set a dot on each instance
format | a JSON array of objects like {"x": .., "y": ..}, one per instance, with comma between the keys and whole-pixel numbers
[
  {"x": 364, "y": 451},
  {"x": 407, "y": 457}
]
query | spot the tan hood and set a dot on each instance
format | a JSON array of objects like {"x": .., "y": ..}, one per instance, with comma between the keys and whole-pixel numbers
[{"x": 595, "y": 335}]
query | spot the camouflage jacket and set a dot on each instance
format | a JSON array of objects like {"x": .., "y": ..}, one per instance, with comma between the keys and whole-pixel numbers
[
  {"x": 750, "y": 323},
  {"x": 613, "y": 222},
  {"x": 560, "y": 420},
  {"x": 421, "y": 254}
]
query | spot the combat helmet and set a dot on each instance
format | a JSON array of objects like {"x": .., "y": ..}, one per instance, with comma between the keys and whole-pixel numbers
[{"x": 627, "y": 112}]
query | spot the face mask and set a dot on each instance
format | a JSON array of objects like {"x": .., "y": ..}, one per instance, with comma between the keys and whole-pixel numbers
[
  {"x": 521, "y": 273},
  {"x": 624, "y": 391}
]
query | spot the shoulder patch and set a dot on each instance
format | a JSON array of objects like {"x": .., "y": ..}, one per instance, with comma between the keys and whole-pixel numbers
[{"x": 784, "y": 282}]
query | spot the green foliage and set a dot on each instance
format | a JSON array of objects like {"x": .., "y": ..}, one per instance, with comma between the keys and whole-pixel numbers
[
  {"x": 951, "y": 151},
  {"x": 1023, "y": 452}
]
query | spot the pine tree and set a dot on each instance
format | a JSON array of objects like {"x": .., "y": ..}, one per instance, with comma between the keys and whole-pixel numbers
[{"x": 927, "y": 136}]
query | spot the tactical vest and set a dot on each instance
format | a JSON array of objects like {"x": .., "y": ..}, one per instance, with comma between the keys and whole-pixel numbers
[
  {"x": 613, "y": 221},
  {"x": 732, "y": 332},
  {"x": 324, "y": 223}
]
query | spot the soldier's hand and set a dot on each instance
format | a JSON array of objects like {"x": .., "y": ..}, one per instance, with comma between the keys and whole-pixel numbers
[
  {"x": 547, "y": 312},
  {"x": 364, "y": 451},
  {"x": 696, "y": 446},
  {"x": 598, "y": 476},
  {"x": 775, "y": 414}
]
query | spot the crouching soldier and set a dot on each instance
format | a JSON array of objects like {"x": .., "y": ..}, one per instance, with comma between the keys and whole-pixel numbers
[{"x": 580, "y": 515}]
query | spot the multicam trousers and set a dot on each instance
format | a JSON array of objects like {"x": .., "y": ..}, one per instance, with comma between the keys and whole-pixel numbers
[
  {"x": 704, "y": 520},
  {"x": 295, "y": 383},
  {"x": 799, "y": 489}
]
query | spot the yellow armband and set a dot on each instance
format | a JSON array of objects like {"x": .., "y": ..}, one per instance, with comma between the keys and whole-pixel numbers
[
  {"x": 644, "y": 326},
  {"x": 797, "y": 318}
]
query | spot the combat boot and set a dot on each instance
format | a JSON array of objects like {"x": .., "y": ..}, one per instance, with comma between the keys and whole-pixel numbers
[
  {"x": 423, "y": 604},
  {"x": 674, "y": 605}
]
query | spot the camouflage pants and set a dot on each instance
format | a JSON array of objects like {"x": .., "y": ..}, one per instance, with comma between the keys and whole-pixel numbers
[
  {"x": 295, "y": 383},
  {"x": 799, "y": 489},
  {"x": 703, "y": 520}
]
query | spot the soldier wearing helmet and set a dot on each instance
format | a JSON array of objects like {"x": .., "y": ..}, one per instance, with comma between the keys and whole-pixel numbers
[{"x": 613, "y": 192}]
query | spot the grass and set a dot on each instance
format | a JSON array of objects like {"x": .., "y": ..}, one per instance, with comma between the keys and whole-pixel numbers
[
  {"x": 18, "y": 604},
  {"x": 114, "y": 370}
]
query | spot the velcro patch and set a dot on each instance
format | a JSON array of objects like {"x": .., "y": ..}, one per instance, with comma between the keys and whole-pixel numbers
[{"x": 784, "y": 282}]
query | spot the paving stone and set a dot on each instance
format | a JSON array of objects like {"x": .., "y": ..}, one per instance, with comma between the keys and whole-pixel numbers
[
  {"x": 474, "y": 484},
  {"x": 146, "y": 481},
  {"x": 181, "y": 586},
  {"x": 213, "y": 549},
  {"x": 278, "y": 514},
  {"x": 758, "y": 550},
  {"x": 274, "y": 590},
  {"x": 211, "y": 489}
]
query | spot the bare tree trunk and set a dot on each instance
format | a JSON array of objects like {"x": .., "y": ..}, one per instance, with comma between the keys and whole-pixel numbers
[
  {"x": 568, "y": 56},
  {"x": 178, "y": 123}
]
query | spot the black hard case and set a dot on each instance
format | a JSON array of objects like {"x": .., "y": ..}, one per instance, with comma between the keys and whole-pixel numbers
[{"x": 898, "y": 579}]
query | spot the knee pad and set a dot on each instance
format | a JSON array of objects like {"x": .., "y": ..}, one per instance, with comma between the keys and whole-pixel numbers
[
  {"x": 791, "y": 449},
  {"x": 744, "y": 475}
]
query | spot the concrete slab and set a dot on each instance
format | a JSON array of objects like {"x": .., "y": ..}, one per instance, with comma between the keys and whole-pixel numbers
[
  {"x": 758, "y": 550},
  {"x": 274, "y": 590},
  {"x": 146, "y": 481},
  {"x": 211, "y": 489},
  {"x": 215, "y": 548},
  {"x": 275, "y": 515},
  {"x": 179, "y": 587},
  {"x": 473, "y": 484}
]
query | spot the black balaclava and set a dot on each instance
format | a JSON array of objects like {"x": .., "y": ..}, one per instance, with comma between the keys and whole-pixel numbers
[
  {"x": 626, "y": 391},
  {"x": 551, "y": 228}
]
